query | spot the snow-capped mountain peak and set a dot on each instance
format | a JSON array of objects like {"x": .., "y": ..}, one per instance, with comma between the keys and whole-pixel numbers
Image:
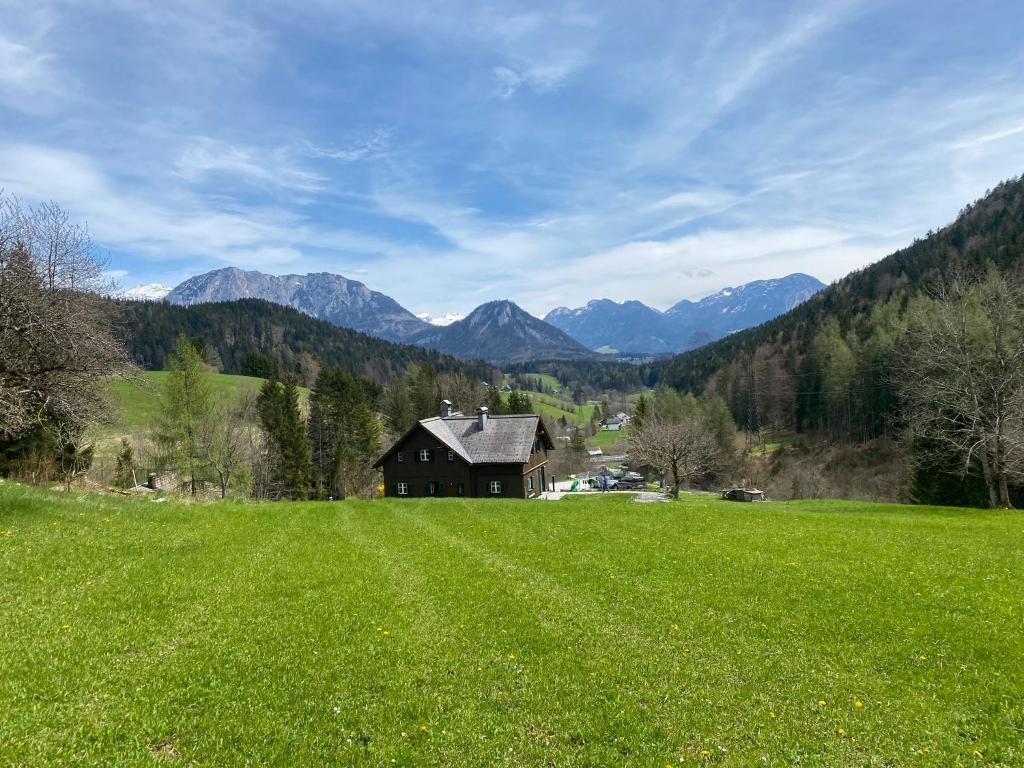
[
  {"x": 635, "y": 327},
  {"x": 146, "y": 292},
  {"x": 441, "y": 320}
]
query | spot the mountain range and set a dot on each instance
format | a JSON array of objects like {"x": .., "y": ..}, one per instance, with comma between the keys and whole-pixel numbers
[
  {"x": 336, "y": 299},
  {"x": 500, "y": 331},
  {"x": 634, "y": 327}
]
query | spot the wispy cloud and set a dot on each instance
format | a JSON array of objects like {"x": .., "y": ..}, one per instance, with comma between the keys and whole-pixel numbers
[
  {"x": 273, "y": 167},
  {"x": 376, "y": 145}
]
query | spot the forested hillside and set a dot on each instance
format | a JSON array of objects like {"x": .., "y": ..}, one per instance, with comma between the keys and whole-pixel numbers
[
  {"x": 830, "y": 367},
  {"x": 257, "y": 338},
  {"x": 835, "y": 349}
]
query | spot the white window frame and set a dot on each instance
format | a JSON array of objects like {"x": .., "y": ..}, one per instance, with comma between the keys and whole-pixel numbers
[
  {"x": 402, "y": 489},
  {"x": 424, "y": 454},
  {"x": 451, "y": 455},
  {"x": 495, "y": 488},
  {"x": 398, "y": 457},
  {"x": 529, "y": 483}
]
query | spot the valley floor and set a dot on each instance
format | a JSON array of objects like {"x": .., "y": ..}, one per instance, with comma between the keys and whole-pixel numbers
[{"x": 588, "y": 631}]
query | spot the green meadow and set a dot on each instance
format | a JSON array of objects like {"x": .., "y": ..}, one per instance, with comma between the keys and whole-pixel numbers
[
  {"x": 137, "y": 401},
  {"x": 588, "y": 631}
]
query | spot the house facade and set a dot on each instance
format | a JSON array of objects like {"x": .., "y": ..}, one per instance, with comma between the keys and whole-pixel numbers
[{"x": 474, "y": 456}]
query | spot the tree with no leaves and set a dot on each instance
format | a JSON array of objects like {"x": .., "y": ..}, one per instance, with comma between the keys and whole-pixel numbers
[
  {"x": 681, "y": 449},
  {"x": 56, "y": 339},
  {"x": 228, "y": 440},
  {"x": 962, "y": 378}
]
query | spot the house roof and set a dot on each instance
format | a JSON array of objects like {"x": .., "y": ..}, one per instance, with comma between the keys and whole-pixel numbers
[{"x": 504, "y": 440}]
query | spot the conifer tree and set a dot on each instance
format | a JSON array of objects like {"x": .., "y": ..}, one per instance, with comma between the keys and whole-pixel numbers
[
  {"x": 186, "y": 418},
  {"x": 290, "y": 460},
  {"x": 344, "y": 434},
  {"x": 640, "y": 412},
  {"x": 124, "y": 474},
  {"x": 493, "y": 401}
]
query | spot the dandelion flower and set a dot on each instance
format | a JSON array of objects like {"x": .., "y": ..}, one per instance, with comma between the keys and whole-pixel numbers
[
  {"x": 858, "y": 703},
  {"x": 821, "y": 702},
  {"x": 841, "y": 732},
  {"x": 423, "y": 729},
  {"x": 771, "y": 715}
]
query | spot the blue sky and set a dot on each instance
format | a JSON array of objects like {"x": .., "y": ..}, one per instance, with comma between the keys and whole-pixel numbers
[{"x": 451, "y": 153}]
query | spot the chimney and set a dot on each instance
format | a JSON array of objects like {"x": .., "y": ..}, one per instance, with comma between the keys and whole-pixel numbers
[
  {"x": 481, "y": 417},
  {"x": 446, "y": 409}
]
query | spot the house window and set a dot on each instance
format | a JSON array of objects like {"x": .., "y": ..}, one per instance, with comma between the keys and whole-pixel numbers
[
  {"x": 401, "y": 489},
  {"x": 462, "y": 490},
  {"x": 433, "y": 488},
  {"x": 424, "y": 454},
  {"x": 529, "y": 482},
  {"x": 496, "y": 487},
  {"x": 398, "y": 457},
  {"x": 451, "y": 455}
]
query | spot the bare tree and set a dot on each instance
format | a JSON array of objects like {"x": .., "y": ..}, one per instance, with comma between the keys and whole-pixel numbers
[
  {"x": 56, "y": 339},
  {"x": 228, "y": 441},
  {"x": 466, "y": 393},
  {"x": 682, "y": 448},
  {"x": 74, "y": 454},
  {"x": 962, "y": 378}
]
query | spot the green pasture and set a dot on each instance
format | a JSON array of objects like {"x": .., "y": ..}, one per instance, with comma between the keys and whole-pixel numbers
[{"x": 438, "y": 632}]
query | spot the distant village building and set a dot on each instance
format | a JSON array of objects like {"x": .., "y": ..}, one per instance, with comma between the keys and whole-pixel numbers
[{"x": 457, "y": 455}]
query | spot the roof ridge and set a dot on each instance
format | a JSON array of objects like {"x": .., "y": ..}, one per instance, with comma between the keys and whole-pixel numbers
[{"x": 490, "y": 416}]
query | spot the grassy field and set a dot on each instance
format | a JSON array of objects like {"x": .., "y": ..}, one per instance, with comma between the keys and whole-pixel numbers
[
  {"x": 603, "y": 438},
  {"x": 138, "y": 402},
  {"x": 590, "y": 631},
  {"x": 137, "y": 405},
  {"x": 544, "y": 379},
  {"x": 553, "y": 408}
]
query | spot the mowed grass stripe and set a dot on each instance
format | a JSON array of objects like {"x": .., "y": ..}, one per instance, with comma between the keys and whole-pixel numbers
[
  {"x": 297, "y": 661},
  {"x": 624, "y": 680},
  {"x": 524, "y": 652}
]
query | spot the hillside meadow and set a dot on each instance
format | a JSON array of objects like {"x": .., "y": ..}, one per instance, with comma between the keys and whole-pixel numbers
[
  {"x": 587, "y": 631},
  {"x": 136, "y": 402}
]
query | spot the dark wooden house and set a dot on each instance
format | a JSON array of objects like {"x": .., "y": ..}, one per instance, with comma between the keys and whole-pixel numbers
[{"x": 481, "y": 455}]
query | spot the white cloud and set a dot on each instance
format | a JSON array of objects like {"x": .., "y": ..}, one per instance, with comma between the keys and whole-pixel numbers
[
  {"x": 376, "y": 145},
  {"x": 177, "y": 226},
  {"x": 273, "y": 167},
  {"x": 508, "y": 81}
]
